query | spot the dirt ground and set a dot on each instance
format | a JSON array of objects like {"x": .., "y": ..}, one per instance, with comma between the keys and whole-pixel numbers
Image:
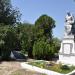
[{"x": 6, "y": 68}]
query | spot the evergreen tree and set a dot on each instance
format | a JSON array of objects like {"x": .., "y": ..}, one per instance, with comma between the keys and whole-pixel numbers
[{"x": 8, "y": 15}]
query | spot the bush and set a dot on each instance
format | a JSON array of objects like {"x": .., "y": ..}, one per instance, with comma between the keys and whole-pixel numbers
[
  {"x": 43, "y": 50},
  {"x": 24, "y": 43},
  {"x": 8, "y": 41},
  {"x": 56, "y": 42},
  {"x": 65, "y": 67},
  {"x": 5, "y": 53}
]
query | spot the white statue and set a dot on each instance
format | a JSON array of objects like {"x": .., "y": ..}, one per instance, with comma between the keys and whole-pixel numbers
[{"x": 69, "y": 21}]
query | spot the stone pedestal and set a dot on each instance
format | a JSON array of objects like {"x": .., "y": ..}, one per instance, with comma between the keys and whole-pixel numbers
[{"x": 67, "y": 50}]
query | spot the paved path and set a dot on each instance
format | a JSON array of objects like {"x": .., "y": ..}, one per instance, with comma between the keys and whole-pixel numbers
[{"x": 7, "y": 67}]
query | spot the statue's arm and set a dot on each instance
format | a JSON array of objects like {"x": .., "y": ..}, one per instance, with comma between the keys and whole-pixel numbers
[
  {"x": 73, "y": 19},
  {"x": 65, "y": 20}
]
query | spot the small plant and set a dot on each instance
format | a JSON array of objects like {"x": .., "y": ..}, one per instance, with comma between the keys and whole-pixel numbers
[
  {"x": 65, "y": 67},
  {"x": 50, "y": 64}
]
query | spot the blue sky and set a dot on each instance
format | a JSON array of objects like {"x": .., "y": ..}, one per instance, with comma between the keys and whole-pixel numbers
[{"x": 32, "y": 9}]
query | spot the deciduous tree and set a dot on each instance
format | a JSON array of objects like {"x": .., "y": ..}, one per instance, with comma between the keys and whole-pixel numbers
[{"x": 8, "y": 15}]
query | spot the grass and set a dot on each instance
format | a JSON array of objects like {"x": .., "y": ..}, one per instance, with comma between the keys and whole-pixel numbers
[
  {"x": 54, "y": 67},
  {"x": 25, "y": 72}
]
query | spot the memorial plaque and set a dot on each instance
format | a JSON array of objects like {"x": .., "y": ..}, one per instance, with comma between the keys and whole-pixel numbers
[{"x": 67, "y": 48}]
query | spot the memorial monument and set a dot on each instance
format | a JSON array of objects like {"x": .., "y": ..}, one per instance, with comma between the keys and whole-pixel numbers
[{"x": 67, "y": 50}]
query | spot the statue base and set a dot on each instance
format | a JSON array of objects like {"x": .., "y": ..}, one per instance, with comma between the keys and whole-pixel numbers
[{"x": 67, "y": 50}]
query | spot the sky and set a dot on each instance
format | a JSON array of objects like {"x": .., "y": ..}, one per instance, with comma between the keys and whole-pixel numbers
[{"x": 31, "y": 10}]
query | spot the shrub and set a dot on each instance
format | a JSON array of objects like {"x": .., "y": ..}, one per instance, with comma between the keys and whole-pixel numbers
[
  {"x": 9, "y": 43},
  {"x": 5, "y": 53},
  {"x": 43, "y": 50},
  {"x": 65, "y": 67}
]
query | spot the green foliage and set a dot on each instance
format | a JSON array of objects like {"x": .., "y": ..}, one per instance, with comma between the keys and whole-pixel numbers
[
  {"x": 8, "y": 37},
  {"x": 43, "y": 47},
  {"x": 65, "y": 67},
  {"x": 44, "y": 25},
  {"x": 24, "y": 43},
  {"x": 8, "y": 41},
  {"x": 56, "y": 43},
  {"x": 8, "y": 15},
  {"x": 36, "y": 40},
  {"x": 43, "y": 50},
  {"x": 5, "y": 53},
  {"x": 26, "y": 36}
]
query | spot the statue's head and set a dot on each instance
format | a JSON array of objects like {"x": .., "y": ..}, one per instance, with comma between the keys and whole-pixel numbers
[{"x": 68, "y": 13}]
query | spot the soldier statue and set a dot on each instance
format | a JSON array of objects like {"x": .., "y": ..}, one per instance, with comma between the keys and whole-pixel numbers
[{"x": 69, "y": 22}]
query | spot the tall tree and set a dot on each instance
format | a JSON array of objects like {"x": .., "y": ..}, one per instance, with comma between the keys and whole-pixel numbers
[
  {"x": 8, "y": 41},
  {"x": 26, "y": 36},
  {"x": 44, "y": 25},
  {"x": 8, "y": 15}
]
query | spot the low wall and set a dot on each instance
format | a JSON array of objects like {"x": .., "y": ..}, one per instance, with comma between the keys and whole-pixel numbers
[{"x": 40, "y": 70}]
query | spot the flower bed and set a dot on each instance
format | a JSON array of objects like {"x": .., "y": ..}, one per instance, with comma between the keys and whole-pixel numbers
[{"x": 53, "y": 66}]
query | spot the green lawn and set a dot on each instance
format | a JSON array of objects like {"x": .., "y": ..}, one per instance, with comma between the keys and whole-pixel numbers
[{"x": 54, "y": 67}]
